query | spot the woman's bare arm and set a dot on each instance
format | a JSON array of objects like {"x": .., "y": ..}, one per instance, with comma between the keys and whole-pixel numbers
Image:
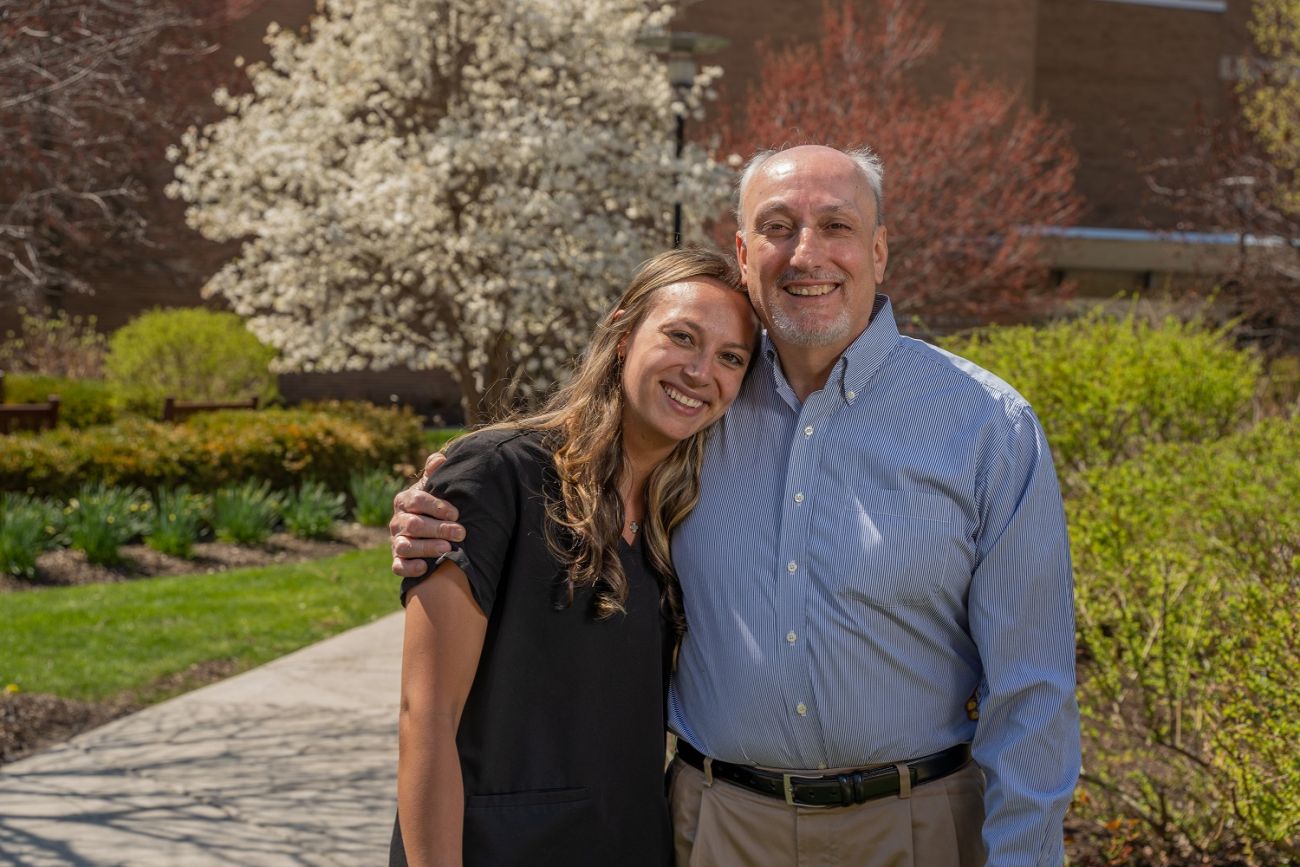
[{"x": 440, "y": 653}]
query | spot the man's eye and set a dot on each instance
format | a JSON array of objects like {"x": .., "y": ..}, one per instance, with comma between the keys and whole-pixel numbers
[{"x": 774, "y": 228}]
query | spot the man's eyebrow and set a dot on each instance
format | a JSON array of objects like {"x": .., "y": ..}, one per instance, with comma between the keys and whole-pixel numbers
[{"x": 779, "y": 207}]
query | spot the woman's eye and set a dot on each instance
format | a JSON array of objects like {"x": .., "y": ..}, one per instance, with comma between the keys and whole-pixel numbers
[
  {"x": 680, "y": 336},
  {"x": 733, "y": 359}
]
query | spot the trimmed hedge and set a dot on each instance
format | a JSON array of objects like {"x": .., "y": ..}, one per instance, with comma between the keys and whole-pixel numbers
[
  {"x": 82, "y": 402},
  {"x": 1187, "y": 571},
  {"x": 1105, "y": 388},
  {"x": 285, "y": 447}
]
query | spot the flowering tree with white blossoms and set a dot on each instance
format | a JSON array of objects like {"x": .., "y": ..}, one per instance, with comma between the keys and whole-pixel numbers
[{"x": 445, "y": 183}]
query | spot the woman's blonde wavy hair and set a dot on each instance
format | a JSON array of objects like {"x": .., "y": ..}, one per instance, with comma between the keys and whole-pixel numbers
[{"x": 583, "y": 421}]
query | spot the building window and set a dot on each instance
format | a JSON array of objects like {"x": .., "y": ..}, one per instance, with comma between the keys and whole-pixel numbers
[{"x": 1190, "y": 5}]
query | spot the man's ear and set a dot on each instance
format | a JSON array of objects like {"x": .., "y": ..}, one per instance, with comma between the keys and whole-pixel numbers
[
  {"x": 741, "y": 251},
  {"x": 880, "y": 254}
]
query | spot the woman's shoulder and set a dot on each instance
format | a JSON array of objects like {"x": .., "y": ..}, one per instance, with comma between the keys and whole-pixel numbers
[{"x": 502, "y": 446}]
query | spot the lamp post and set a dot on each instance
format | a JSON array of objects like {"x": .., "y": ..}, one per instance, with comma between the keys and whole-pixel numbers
[{"x": 681, "y": 48}]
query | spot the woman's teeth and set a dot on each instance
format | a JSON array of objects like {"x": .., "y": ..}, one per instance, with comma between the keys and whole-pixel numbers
[{"x": 683, "y": 399}]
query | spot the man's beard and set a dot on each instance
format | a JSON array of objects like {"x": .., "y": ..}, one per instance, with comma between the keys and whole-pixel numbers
[{"x": 789, "y": 330}]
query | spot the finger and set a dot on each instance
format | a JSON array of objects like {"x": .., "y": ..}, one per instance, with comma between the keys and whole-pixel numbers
[
  {"x": 409, "y": 568},
  {"x": 424, "y": 503},
  {"x": 420, "y": 527},
  {"x": 406, "y": 548},
  {"x": 431, "y": 465}
]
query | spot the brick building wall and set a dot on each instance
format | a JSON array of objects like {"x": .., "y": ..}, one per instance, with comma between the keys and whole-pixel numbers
[{"x": 1124, "y": 74}]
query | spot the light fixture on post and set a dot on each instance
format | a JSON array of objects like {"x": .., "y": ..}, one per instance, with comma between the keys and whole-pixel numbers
[{"x": 681, "y": 48}]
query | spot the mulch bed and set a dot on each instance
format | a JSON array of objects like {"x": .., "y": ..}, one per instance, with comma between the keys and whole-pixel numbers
[{"x": 32, "y": 721}]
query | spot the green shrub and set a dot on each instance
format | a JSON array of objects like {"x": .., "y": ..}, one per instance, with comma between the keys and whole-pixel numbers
[
  {"x": 27, "y": 527},
  {"x": 53, "y": 343},
  {"x": 1188, "y": 570},
  {"x": 82, "y": 402},
  {"x": 310, "y": 512},
  {"x": 178, "y": 520},
  {"x": 191, "y": 354},
  {"x": 1105, "y": 388},
  {"x": 213, "y": 450},
  {"x": 372, "y": 496},
  {"x": 246, "y": 514},
  {"x": 101, "y": 519}
]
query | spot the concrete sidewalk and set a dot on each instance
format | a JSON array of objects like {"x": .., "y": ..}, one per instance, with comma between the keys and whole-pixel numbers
[{"x": 293, "y": 763}]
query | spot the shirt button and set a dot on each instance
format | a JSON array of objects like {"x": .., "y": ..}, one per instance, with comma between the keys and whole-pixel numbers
[
  {"x": 792, "y": 567},
  {"x": 849, "y": 395},
  {"x": 801, "y": 709},
  {"x": 791, "y": 637},
  {"x": 808, "y": 431},
  {"x": 798, "y": 498},
  {"x": 821, "y": 766}
]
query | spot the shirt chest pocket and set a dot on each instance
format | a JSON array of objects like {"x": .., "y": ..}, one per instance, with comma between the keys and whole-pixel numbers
[{"x": 897, "y": 548}]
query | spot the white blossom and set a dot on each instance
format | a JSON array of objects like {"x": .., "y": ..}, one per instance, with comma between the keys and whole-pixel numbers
[{"x": 453, "y": 183}]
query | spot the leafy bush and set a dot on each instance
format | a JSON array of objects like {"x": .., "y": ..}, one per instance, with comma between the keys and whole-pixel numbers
[
  {"x": 1104, "y": 387},
  {"x": 54, "y": 344},
  {"x": 101, "y": 519},
  {"x": 213, "y": 450},
  {"x": 1188, "y": 568},
  {"x": 372, "y": 496},
  {"x": 82, "y": 402},
  {"x": 27, "y": 527},
  {"x": 311, "y": 511},
  {"x": 246, "y": 514},
  {"x": 178, "y": 520},
  {"x": 191, "y": 354}
]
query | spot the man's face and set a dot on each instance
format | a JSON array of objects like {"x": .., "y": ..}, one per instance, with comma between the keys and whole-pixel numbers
[{"x": 809, "y": 248}]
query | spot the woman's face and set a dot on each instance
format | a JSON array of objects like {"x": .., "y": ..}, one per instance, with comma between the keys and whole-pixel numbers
[{"x": 683, "y": 365}]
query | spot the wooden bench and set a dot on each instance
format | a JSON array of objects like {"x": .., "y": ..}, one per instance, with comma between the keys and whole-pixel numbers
[
  {"x": 27, "y": 416},
  {"x": 179, "y": 410}
]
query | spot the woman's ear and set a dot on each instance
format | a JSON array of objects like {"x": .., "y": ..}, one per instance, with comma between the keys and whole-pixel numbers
[{"x": 622, "y": 343}]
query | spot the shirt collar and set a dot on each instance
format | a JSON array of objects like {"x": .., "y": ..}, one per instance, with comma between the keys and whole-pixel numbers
[{"x": 854, "y": 369}]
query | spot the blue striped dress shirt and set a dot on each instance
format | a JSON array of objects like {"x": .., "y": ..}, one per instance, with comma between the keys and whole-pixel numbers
[{"x": 861, "y": 564}]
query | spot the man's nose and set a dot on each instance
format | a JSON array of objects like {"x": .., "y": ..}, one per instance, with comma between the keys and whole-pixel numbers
[{"x": 808, "y": 250}]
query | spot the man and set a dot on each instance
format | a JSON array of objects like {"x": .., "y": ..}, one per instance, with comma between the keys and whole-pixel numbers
[{"x": 876, "y": 578}]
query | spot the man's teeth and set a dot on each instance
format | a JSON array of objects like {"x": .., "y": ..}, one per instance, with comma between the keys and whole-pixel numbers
[
  {"x": 683, "y": 399},
  {"x": 818, "y": 289}
]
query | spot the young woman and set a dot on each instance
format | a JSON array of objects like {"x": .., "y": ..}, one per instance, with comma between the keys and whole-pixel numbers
[{"x": 536, "y": 654}]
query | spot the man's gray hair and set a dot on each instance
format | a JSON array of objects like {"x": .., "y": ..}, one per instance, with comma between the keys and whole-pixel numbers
[{"x": 870, "y": 165}]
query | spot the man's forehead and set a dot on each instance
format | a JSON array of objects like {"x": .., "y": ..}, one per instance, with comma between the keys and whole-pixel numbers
[{"x": 788, "y": 181}]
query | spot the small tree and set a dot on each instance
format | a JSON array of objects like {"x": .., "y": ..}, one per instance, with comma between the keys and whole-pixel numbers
[
  {"x": 90, "y": 92},
  {"x": 969, "y": 177},
  {"x": 1239, "y": 175},
  {"x": 1272, "y": 98},
  {"x": 451, "y": 183}
]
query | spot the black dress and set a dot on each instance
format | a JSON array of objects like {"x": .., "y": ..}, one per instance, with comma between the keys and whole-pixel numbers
[{"x": 562, "y": 737}]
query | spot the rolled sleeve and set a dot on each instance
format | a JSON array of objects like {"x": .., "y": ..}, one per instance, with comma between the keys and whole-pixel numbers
[
  {"x": 482, "y": 483},
  {"x": 1022, "y": 620}
]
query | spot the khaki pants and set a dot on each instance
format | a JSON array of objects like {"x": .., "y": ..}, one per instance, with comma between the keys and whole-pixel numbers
[{"x": 725, "y": 825}]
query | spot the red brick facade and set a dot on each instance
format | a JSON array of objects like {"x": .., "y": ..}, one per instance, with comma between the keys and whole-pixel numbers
[{"x": 1124, "y": 74}]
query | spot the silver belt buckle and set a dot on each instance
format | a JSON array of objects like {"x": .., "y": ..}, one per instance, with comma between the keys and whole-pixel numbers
[{"x": 789, "y": 789}]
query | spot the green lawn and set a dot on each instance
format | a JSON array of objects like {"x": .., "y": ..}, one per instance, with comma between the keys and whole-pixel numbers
[{"x": 98, "y": 641}]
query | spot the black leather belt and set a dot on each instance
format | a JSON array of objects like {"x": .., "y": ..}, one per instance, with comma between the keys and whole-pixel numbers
[{"x": 832, "y": 790}]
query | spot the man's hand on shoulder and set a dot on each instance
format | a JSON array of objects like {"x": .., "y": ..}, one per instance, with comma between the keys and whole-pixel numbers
[{"x": 423, "y": 526}]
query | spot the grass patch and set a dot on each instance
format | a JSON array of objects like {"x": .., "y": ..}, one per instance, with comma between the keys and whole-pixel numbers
[{"x": 97, "y": 641}]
